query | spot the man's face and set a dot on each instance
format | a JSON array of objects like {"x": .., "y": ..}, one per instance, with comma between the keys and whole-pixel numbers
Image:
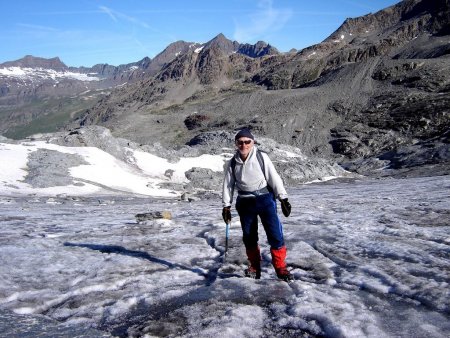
[{"x": 244, "y": 145}]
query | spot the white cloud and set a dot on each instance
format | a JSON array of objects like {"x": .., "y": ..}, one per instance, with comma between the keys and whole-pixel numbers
[
  {"x": 108, "y": 11},
  {"x": 115, "y": 16},
  {"x": 265, "y": 20},
  {"x": 37, "y": 27}
]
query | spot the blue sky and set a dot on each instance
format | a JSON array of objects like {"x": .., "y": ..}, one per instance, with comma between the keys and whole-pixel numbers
[{"x": 88, "y": 32}]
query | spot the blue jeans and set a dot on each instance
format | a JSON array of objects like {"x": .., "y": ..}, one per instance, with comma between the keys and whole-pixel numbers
[{"x": 264, "y": 206}]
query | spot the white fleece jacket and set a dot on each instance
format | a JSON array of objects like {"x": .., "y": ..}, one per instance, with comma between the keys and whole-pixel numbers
[{"x": 249, "y": 177}]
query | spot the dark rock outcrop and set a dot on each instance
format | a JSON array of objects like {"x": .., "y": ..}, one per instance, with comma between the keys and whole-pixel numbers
[{"x": 259, "y": 49}]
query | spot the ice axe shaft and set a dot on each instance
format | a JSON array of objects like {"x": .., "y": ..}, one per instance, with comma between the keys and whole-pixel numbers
[{"x": 227, "y": 231}]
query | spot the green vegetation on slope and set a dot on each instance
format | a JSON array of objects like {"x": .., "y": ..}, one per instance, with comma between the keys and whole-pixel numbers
[{"x": 43, "y": 116}]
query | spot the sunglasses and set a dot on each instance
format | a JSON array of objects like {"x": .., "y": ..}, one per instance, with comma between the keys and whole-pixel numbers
[{"x": 241, "y": 143}]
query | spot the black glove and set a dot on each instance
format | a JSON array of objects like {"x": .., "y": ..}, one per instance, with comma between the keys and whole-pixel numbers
[
  {"x": 226, "y": 214},
  {"x": 285, "y": 207}
]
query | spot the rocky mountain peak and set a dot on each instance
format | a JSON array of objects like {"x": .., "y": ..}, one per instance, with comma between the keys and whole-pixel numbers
[
  {"x": 176, "y": 48},
  {"x": 259, "y": 49},
  {"x": 144, "y": 62},
  {"x": 169, "y": 54},
  {"x": 222, "y": 43},
  {"x": 227, "y": 46},
  {"x": 30, "y": 61}
]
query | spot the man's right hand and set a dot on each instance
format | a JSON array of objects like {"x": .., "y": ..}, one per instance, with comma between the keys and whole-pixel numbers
[
  {"x": 226, "y": 214},
  {"x": 285, "y": 207}
]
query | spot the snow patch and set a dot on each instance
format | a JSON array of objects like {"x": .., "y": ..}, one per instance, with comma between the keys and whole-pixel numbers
[
  {"x": 143, "y": 176},
  {"x": 42, "y": 73},
  {"x": 198, "y": 50}
]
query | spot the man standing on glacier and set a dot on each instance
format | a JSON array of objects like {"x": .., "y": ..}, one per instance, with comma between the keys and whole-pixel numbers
[{"x": 253, "y": 175}]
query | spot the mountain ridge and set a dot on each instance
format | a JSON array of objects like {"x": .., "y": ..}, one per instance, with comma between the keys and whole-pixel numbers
[
  {"x": 27, "y": 82},
  {"x": 31, "y": 61},
  {"x": 359, "y": 98}
]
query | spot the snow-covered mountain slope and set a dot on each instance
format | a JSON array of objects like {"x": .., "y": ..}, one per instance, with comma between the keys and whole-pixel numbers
[
  {"x": 44, "y": 168},
  {"x": 33, "y": 75}
]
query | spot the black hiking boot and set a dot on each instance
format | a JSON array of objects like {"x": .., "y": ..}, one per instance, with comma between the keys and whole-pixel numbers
[
  {"x": 284, "y": 275},
  {"x": 252, "y": 273}
]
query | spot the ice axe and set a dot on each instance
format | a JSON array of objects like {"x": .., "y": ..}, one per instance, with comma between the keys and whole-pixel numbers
[{"x": 227, "y": 231}]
